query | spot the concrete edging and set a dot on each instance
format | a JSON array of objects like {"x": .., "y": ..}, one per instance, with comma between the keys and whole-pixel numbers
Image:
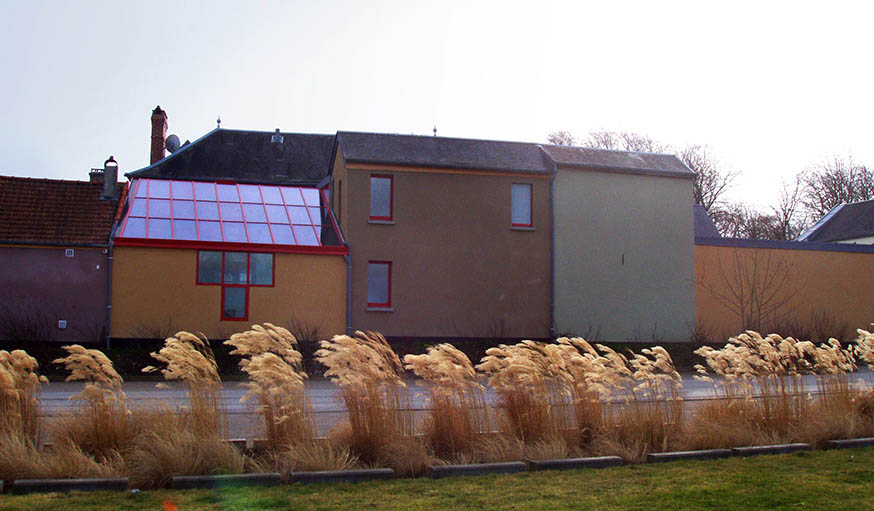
[
  {"x": 756, "y": 450},
  {"x": 575, "y": 463},
  {"x": 851, "y": 442},
  {"x": 704, "y": 454},
  {"x": 225, "y": 481},
  {"x": 23, "y": 486},
  {"x": 508, "y": 467},
  {"x": 342, "y": 476}
]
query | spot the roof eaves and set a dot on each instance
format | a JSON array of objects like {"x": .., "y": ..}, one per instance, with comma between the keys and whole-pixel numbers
[{"x": 454, "y": 166}]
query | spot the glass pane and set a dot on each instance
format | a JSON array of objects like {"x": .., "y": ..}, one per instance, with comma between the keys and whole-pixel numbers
[
  {"x": 235, "y": 267},
  {"x": 142, "y": 187},
  {"x": 182, "y": 190},
  {"x": 259, "y": 233},
  {"x": 316, "y": 215},
  {"x": 292, "y": 196},
  {"x": 138, "y": 208},
  {"x": 282, "y": 234},
  {"x": 135, "y": 228},
  {"x": 377, "y": 283},
  {"x": 235, "y": 302},
  {"x": 277, "y": 214},
  {"x": 209, "y": 231},
  {"x": 159, "y": 228},
  {"x": 311, "y": 196},
  {"x": 271, "y": 195},
  {"x": 380, "y": 197},
  {"x": 231, "y": 211},
  {"x": 209, "y": 267},
  {"x": 521, "y": 204},
  {"x": 261, "y": 269},
  {"x": 159, "y": 208},
  {"x": 207, "y": 210},
  {"x": 299, "y": 215},
  {"x": 306, "y": 235},
  {"x": 183, "y": 208},
  {"x": 250, "y": 193},
  {"x": 254, "y": 213},
  {"x": 159, "y": 189},
  {"x": 184, "y": 230},
  {"x": 235, "y": 231},
  {"x": 204, "y": 191},
  {"x": 228, "y": 193}
]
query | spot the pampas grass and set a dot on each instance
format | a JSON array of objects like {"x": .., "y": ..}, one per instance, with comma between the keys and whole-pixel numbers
[
  {"x": 20, "y": 387},
  {"x": 19, "y": 459}
]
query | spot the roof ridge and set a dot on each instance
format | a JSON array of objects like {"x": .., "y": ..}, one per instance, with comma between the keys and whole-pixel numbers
[
  {"x": 614, "y": 150},
  {"x": 50, "y": 180},
  {"x": 437, "y": 137}
]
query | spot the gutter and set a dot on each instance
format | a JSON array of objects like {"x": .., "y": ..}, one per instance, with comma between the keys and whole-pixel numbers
[{"x": 54, "y": 244}]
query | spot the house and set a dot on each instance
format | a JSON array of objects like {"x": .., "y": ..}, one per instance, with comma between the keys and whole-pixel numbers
[
  {"x": 845, "y": 223},
  {"x": 55, "y": 256}
]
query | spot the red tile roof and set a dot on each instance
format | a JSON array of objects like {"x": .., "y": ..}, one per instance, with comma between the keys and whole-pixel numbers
[{"x": 54, "y": 211}]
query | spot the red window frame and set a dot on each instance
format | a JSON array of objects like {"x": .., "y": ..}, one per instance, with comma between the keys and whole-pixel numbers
[
  {"x": 388, "y": 285},
  {"x": 530, "y": 205},
  {"x": 391, "y": 197},
  {"x": 246, "y": 285}
]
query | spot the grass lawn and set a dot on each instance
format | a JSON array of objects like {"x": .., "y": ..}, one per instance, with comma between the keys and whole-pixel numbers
[{"x": 840, "y": 479}]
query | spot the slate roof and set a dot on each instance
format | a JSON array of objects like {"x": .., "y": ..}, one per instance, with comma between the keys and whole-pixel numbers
[
  {"x": 618, "y": 161},
  {"x": 443, "y": 152},
  {"x": 704, "y": 226},
  {"x": 843, "y": 222},
  {"x": 247, "y": 157},
  {"x": 55, "y": 212}
]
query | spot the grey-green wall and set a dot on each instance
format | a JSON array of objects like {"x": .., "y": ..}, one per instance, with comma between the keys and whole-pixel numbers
[{"x": 624, "y": 256}]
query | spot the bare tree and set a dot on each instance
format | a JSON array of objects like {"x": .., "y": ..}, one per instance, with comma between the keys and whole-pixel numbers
[
  {"x": 788, "y": 214},
  {"x": 562, "y": 137},
  {"x": 710, "y": 181},
  {"x": 835, "y": 182},
  {"x": 625, "y": 141}
]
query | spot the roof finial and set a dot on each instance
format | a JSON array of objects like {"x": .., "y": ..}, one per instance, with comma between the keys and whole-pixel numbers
[
  {"x": 435, "y": 130},
  {"x": 218, "y": 122}
]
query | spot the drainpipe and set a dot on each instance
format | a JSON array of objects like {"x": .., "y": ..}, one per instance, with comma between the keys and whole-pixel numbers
[
  {"x": 552, "y": 251},
  {"x": 109, "y": 295},
  {"x": 348, "y": 259}
]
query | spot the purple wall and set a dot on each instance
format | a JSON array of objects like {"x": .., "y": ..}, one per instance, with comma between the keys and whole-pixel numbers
[{"x": 41, "y": 286}]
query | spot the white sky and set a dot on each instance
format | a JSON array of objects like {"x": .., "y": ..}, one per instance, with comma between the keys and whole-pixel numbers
[{"x": 771, "y": 87}]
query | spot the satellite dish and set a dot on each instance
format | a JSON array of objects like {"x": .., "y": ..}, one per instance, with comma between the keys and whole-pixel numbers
[{"x": 172, "y": 143}]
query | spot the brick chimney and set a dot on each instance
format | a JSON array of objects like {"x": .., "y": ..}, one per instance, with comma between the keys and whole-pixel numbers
[{"x": 159, "y": 133}]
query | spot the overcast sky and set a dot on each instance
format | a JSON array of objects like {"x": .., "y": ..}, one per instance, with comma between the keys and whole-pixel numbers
[{"x": 771, "y": 87}]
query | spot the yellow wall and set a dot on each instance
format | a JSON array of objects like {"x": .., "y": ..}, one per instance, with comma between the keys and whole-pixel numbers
[
  {"x": 154, "y": 290},
  {"x": 802, "y": 286}
]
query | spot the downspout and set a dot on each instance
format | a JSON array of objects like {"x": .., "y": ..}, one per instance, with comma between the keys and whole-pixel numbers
[
  {"x": 552, "y": 251},
  {"x": 109, "y": 295},
  {"x": 348, "y": 259}
]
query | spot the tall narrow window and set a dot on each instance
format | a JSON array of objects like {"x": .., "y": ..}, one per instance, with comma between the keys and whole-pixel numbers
[
  {"x": 381, "y": 197},
  {"x": 520, "y": 205},
  {"x": 379, "y": 284}
]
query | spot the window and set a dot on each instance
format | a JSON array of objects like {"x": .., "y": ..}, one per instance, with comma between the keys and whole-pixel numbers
[
  {"x": 235, "y": 272},
  {"x": 520, "y": 205},
  {"x": 381, "y": 197},
  {"x": 379, "y": 284}
]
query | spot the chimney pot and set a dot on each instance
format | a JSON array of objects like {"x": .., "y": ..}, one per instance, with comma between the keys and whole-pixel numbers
[
  {"x": 110, "y": 178},
  {"x": 159, "y": 134}
]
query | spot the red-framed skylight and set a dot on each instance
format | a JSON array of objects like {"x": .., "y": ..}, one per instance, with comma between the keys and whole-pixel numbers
[{"x": 214, "y": 214}]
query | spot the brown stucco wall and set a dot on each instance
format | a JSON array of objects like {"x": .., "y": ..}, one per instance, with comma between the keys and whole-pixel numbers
[
  {"x": 154, "y": 293},
  {"x": 807, "y": 286},
  {"x": 458, "y": 269},
  {"x": 41, "y": 284}
]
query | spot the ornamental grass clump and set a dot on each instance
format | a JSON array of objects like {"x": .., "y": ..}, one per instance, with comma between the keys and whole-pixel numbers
[
  {"x": 369, "y": 374},
  {"x": 20, "y": 387},
  {"x": 277, "y": 383},
  {"x": 458, "y": 414}
]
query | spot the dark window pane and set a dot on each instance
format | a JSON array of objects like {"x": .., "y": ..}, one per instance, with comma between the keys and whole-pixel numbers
[
  {"x": 311, "y": 196},
  {"x": 380, "y": 197},
  {"x": 271, "y": 195},
  {"x": 142, "y": 188},
  {"x": 306, "y": 235},
  {"x": 159, "y": 228},
  {"x": 282, "y": 234},
  {"x": 235, "y": 231},
  {"x": 292, "y": 196},
  {"x": 378, "y": 284},
  {"x": 277, "y": 214},
  {"x": 209, "y": 231},
  {"x": 135, "y": 228},
  {"x": 184, "y": 230},
  {"x": 235, "y": 302},
  {"x": 159, "y": 208},
  {"x": 254, "y": 213},
  {"x": 183, "y": 209},
  {"x": 316, "y": 215},
  {"x": 207, "y": 210},
  {"x": 228, "y": 193},
  {"x": 159, "y": 189},
  {"x": 521, "y": 204},
  {"x": 261, "y": 269},
  {"x": 182, "y": 190},
  {"x": 231, "y": 211},
  {"x": 250, "y": 193},
  {"x": 235, "y": 267},
  {"x": 209, "y": 267},
  {"x": 138, "y": 208},
  {"x": 204, "y": 191},
  {"x": 259, "y": 233},
  {"x": 299, "y": 215}
]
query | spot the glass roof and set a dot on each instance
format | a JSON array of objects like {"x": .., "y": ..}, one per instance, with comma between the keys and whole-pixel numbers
[{"x": 197, "y": 211}]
